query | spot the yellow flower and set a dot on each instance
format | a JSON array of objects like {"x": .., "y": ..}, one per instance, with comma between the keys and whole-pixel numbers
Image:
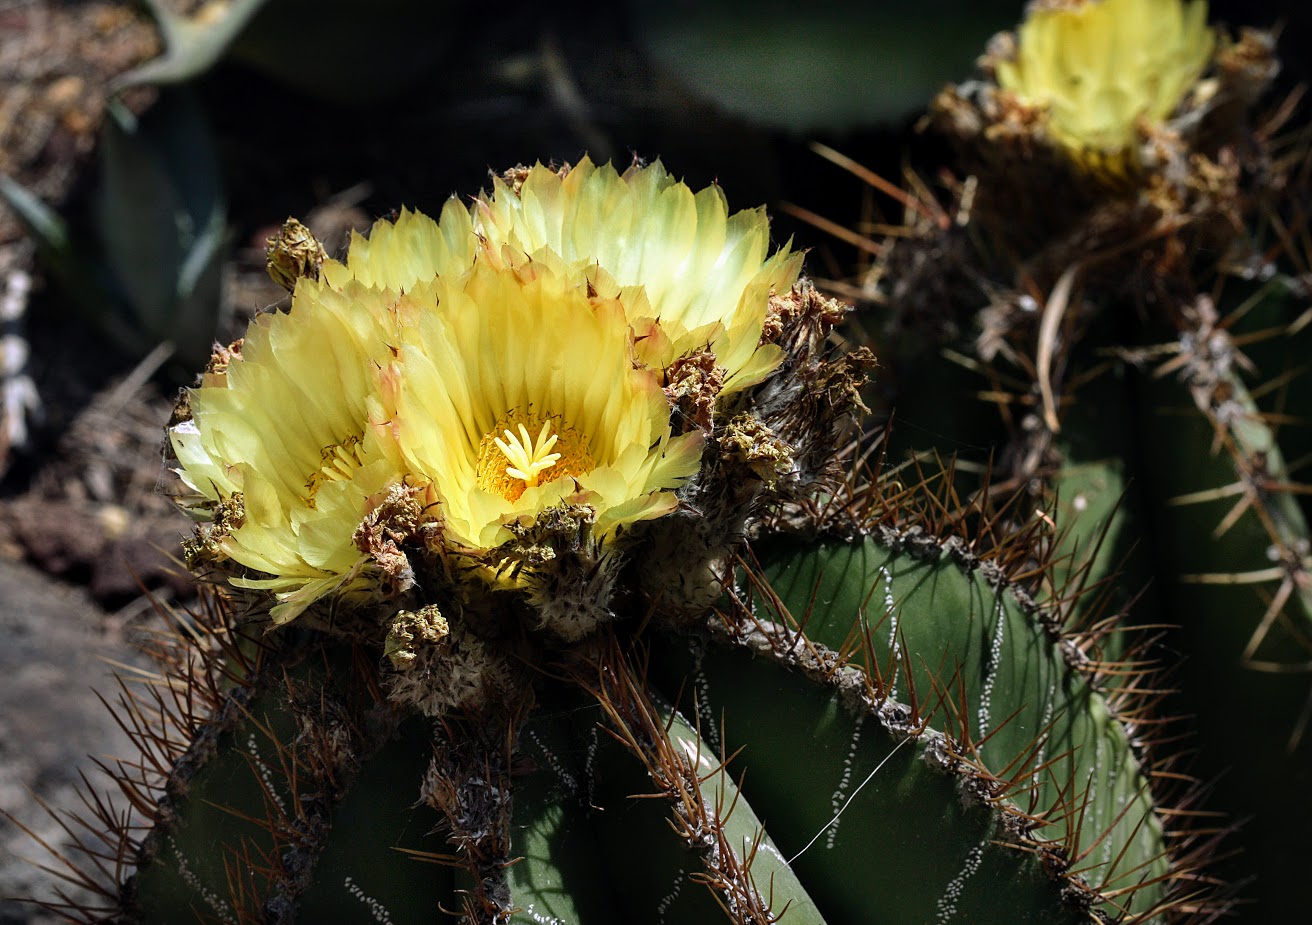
[
  {"x": 491, "y": 374},
  {"x": 518, "y": 393},
  {"x": 396, "y": 255},
  {"x": 283, "y": 432},
  {"x": 687, "y": 272},
  {"x": 670, "y": 256},
  {"x": 1100, "y": 69}
]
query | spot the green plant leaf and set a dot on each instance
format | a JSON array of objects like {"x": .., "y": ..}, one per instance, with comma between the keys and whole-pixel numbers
[
  {"x": 161, "y": 217},
  {"x": 190, "y": 47}
]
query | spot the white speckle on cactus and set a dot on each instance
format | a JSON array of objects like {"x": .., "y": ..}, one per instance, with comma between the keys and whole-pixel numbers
[
  {"x": 1040, "y": 757},
  {"x": 266, "y": 774},
  {"x": 839, "y": 797},
  {"x": 594, "y": 741},
  {"x": 767, "y": 846},
  {"x": 991, "y": 676},
  {"x": 894, "y": 644},
  {"x": 376, "y": 909},
  {"x": 947, "y": 903},
  {"x": 710, "y": 731},
  {"x": 542, "y": 918},
  {"x": 566, "y": 779},
  {"x": 220, "y": 906},
  {"x": 668, "y": 899}
]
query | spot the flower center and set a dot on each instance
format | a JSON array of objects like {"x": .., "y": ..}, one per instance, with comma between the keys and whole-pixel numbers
[
  {"x": 337, "y": 462},
  {"x": 511, "y": 459},
  {"x": 529, "y": 458}
]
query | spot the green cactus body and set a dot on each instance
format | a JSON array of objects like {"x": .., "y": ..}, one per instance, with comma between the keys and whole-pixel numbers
[
  {"x": 1021, "y": 705},
  {"x": 1228, "y": 551},
  {"x": 928, "y": 725},
  {"x": 276, "y": 793},
  {"x": 583, "y": 804}
]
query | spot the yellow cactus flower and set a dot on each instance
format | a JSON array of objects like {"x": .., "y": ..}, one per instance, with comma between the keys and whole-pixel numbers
[
  {"x": 674, "y": 258},
  {"x": 688, "y": 273},
  {"x": 396, "y": 255},
  {"x": 282, "y": 434},
  {"x": 494, "y": 373},
  {"x": 1101, "y": 68},
  {"x": 514, "y": 392}
]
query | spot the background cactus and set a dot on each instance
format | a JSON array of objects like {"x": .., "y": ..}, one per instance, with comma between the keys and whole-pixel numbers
[
  {"x": 1134, "y": 312},
  {"x": 964, "y": 642}
]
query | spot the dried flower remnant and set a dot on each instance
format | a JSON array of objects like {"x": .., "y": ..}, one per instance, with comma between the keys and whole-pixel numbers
[
  {"x": 292, "y": 253},
  {"x": 411, "y": 631}
]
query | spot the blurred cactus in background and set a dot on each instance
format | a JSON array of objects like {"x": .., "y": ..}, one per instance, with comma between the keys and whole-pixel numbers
[
  {"x": 567, "y": 556},
  {"x": 1117, "y": 268},
  {"x": 826, "y": 66}
]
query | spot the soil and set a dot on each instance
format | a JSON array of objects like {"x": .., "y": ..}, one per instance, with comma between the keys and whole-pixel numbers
[{"x": 82, "y": 531}]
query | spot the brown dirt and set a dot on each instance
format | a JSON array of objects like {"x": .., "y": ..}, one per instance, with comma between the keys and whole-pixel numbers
[
  {"x": 56, "y": 649},
  {"x": 82, "y": 530}
]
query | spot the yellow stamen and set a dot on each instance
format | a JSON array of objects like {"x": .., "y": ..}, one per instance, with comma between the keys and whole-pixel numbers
[
  {"x": 337, "y": 461},
  {"x": 510, "y": 463},
  {"x": 528, "y": 458}
]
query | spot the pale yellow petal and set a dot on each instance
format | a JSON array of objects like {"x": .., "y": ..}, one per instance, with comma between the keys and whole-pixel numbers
[
  {"x": 526, "y": 347},
  {"x": 699, "y": 268},
  {"x": 1099, "y": 68}
]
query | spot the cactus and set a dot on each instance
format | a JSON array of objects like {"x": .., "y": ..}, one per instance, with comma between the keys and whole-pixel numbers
[
  {"x": 955, "y": 740},
  {"x": 1116, "y": 268},
  {"x": 424, "y": 683}
]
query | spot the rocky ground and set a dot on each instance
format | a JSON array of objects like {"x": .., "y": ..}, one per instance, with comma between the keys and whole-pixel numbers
[
  {"x": 85, "y": 557},
  {"x": 56, "y": 649}
]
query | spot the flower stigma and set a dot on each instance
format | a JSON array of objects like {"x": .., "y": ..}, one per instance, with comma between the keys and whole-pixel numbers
[
  {"x": 512, "y": 463},
  {"x": 529, "y": 458}
]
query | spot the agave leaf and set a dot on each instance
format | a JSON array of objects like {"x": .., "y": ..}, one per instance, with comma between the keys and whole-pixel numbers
[
  {"x": 191, "y": 45},
  {"x": 160, "y": 214},
  {"x": 45, "y": 225},
  {"x": 75, "y": 271}
]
